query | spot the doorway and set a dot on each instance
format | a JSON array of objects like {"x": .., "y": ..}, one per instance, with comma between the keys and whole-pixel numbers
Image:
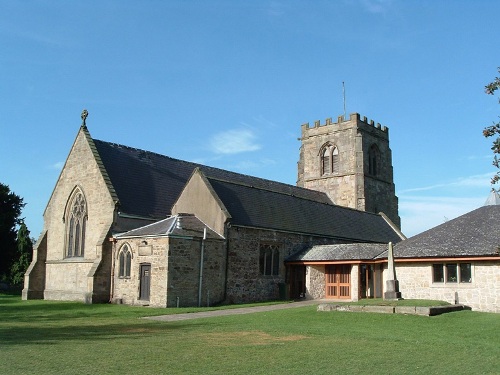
[
  {"x": 338, "y": 281},
  {"x": 297, "y": 282},
  {"x": 145, "y": 282}
]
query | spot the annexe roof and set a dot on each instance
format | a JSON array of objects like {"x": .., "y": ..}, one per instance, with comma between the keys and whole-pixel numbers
[
  {"x": 147, "y": 184},
  {"x": 184, "y": 225},
  {"x": 251, "y": 206},
  {"x": 476, "y": 233}
]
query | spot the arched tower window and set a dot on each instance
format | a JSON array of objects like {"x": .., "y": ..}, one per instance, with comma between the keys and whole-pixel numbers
[
  {"x": 76, "y": 223},
  {"x": 374, "y": 161},
  {"x": 329, "y": 159},
  {"x": 124, "y": 261}
]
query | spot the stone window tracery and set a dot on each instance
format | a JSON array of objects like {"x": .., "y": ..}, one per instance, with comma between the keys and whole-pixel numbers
[
  {"x": 269, "y": 260},
  {"x": 329, "y": 159},
  {"x": 76, "y": 224},
  {"x": 124, "y": 261}
]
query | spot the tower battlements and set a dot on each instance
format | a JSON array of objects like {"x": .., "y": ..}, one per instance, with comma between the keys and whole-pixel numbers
[{"x": 353, "y": 117}]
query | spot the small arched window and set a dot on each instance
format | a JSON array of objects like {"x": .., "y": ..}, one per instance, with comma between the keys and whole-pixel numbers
[
  {"x": 329, "y": 159},
  {"x": 76, "y": 223},
  {"x": 124, "y": 261},
  {"x": 374, "y": 161}
]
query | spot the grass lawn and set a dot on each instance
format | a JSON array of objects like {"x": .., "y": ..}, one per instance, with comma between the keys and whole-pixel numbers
[{"x": 43, "y": 337}]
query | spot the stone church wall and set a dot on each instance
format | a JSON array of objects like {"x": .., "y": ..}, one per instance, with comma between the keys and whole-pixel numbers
[
  {"x": 245, "y": 282},
  {"x": 66, "y": 278},
  {"x": 351, "y": 185},
  {"x": 175, "y": 266}
]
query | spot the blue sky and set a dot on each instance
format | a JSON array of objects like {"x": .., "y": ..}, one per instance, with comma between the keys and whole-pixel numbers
[{"x": 228, "y": 84}]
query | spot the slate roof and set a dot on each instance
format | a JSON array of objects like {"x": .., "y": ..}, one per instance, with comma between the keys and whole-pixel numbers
[
  {"x": 147, "y": 184},
  {"x": 261, "y": 208},
  {"x": 179, "y": 225},
  {"x": 353, "y": 251},
  {"x": 476, "y": 233}
]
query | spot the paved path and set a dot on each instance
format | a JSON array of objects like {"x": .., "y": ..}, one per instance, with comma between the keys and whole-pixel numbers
[{"x": 237, "y": 311}]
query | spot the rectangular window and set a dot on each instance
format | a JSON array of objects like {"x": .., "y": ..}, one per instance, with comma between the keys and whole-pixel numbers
[
  {"x": 452, "y": 273},
  {"x": 437, "y": 273},
  {"x": 465, "y": 273}
]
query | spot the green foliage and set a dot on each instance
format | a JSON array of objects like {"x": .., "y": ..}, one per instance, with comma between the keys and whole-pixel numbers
[
  {"x": 24, "y": 253},
  {"x": 48, "y": 337},
  {"x": 11, "y": 206},
  {"x": 494, "y": 130}
]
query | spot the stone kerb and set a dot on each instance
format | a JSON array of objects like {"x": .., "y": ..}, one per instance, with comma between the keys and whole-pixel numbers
[{"x": 408, "y": 310}]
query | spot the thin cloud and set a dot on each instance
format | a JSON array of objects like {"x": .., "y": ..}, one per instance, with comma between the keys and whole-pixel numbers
[
  {"x": 57, "y": 166},
  {"x": 234, "y": 142},
  {"x": 376, "y": 6},
  {"x": 480, "y": 180},
  {"x": 419, "y": 214}
]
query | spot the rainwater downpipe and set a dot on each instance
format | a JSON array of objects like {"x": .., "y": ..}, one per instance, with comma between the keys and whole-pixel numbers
[{"x": 201, "y": 264}]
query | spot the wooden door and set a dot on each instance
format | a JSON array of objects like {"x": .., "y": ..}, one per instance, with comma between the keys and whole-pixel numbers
[
  {"x": 338, "y": 281},
  {"x": 145, "y": 282}
]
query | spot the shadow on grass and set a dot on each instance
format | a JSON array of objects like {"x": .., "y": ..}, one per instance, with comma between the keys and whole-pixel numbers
[{"x": 35, "y": 335}]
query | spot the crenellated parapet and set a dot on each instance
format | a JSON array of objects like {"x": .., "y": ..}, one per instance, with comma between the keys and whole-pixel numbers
[{"x": 354, "y": 118}]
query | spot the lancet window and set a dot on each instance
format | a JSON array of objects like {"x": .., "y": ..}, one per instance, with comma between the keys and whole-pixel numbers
[
  {"x": 329, "y": 159},
  {"x": 76, "y": 223}
]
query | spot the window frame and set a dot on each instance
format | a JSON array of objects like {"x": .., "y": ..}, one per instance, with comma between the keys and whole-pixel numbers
[
  {"x": 76, "y": 217},
  {"x": 329, "y": 159},
  {"x": 452, "y": 273},
  {"x": 269, "y": 259},
  {"x": 125, "y": 261}
]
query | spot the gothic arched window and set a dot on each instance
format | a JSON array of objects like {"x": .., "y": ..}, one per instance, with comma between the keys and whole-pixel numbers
[
  {"x": 374, "y": 161},
  {"x": 269, "y": 259},
  {"x": 329, "y": 159},
  {"x": 76, "y": 223},
  {"x": 124, "y": 261}
]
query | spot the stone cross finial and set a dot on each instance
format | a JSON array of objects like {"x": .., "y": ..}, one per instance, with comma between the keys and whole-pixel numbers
[{"x": 85, "y": 113}]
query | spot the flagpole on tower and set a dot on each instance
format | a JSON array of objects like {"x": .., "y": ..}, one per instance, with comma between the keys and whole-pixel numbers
[{"x": 343, "y": 94}]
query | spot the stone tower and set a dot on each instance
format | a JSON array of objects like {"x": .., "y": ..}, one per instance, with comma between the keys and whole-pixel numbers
[{"x": 351, "y": 161}]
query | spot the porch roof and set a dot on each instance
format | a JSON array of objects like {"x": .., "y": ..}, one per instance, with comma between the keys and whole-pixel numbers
[{"x": 338, "y": 252}]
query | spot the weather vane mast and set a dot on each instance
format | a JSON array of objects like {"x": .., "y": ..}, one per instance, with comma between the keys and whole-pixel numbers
[{"x": 84, "y": 116}]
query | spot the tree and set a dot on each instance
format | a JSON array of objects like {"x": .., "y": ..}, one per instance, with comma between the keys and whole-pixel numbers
[
  {"x": 494, "y": 130},
  {"x": 24, "y": 253},
  {"x": 11, "y": 206}
]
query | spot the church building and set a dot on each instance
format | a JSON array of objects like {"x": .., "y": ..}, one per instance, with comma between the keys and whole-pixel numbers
[{"x": 130, "y": 226}]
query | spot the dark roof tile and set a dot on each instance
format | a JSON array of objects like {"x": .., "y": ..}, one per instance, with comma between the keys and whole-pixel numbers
[
  {"x": 253, "y": 207},
  {"x": 148, "y": 184},
  {"x": 353, "y": 251},
  {"x": 476, "y": 233}
]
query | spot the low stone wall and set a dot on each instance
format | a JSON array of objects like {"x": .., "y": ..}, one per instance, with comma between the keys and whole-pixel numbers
[{"x": 408, "y": 310}]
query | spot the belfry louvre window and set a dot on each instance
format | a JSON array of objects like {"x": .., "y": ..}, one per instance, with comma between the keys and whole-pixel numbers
[
  {"x": 452, "y": 273},
  {"x": 329, "y": 160},
  {"x": 374, "y": 161},
  {"x": 269, "y": 259},
  {"x": 124, "y": 262},
  {"x": 76, "y": 223}
]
